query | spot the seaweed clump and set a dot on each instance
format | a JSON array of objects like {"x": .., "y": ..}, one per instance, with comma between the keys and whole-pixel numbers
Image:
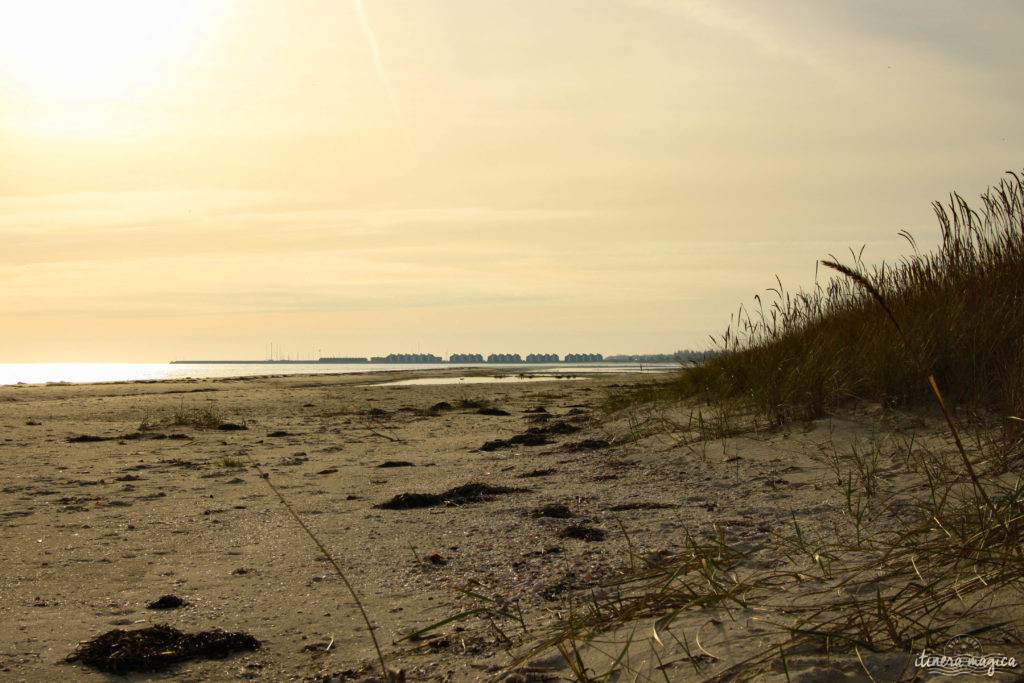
[
  {"x": 460, "y": 495},
  {"x": 157, "y": 647}
]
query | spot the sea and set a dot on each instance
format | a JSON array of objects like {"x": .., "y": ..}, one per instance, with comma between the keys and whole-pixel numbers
[{"x": 81, "y": 373}]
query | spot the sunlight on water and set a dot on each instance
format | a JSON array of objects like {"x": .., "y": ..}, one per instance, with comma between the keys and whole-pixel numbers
[
  {"x": 39, "y": 373},
  {"x": 76, "y": 373}
]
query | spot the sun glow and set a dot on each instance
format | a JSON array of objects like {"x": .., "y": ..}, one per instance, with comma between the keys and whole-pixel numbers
[{"x": 66, "y": 61}]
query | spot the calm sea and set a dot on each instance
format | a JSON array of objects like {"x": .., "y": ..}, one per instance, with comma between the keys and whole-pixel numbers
[{"x": 40, "y": 373}]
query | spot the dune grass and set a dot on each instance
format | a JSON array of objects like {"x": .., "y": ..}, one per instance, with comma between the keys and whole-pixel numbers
[
  {"x": 959, "y": 315},
  {"x": 208, "y": 417},
  {"x": 866, "y": 588},
  {"x": 934, "y": 328}
]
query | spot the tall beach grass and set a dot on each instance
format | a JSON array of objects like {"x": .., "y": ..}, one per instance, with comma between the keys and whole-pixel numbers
[
  {"x": 960, "y": 316},
  {"x": 891, "y": 578}
]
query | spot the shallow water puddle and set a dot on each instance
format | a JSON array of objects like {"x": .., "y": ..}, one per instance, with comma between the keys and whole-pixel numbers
[{"x": 505, "y": 379}]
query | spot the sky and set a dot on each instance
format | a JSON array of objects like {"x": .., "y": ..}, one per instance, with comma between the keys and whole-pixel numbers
[{"x": 205, "y": 178}]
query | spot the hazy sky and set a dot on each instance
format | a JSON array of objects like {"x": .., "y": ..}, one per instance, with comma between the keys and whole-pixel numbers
[{"x": 199, "y": 178}]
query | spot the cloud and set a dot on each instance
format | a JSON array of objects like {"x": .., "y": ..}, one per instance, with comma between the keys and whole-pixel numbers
[
  {"x": 117, "y": 226},
  {"x": 774, "y": 39},
  {"x": 364, "y": 22}
]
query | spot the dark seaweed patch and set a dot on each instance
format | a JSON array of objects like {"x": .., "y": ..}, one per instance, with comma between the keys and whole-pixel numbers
[
  {"x": 583, "y": 533},
  {"x": 157, "y": 647},
  {"x": 586, "y": 445},
  {"x": 554, "y": 510},
  {"x": 528, "y": 439},
  {"x": 460, "y": 495},
  {"x": 168, "y": 601},
  {"x": 493, "y": 411},
  {"x": 534, "y": 436},
  {"x": 558, "y": 428},
  {"x": 134, "y": 436},
  {"x": 187, "y": 464}
]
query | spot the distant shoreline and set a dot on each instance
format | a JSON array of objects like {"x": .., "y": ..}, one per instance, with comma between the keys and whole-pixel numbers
[
  {"x": 422, "y": 359},
  {"x": 463, "y": 359},
  {"x": 263, "y": 362},
  {"x": 88, "y": 373},
  {"x": 391, "y": 362}
]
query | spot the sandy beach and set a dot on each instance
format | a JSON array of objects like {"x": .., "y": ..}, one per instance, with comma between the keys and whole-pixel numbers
[{"x": 108, "y": 505}]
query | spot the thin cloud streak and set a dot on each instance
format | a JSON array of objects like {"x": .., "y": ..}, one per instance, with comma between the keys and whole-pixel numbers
[
  {"x": 75, "y": 212},
  {"x": 764, "y": 36},
  {"x": 364, "y": 23}
]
